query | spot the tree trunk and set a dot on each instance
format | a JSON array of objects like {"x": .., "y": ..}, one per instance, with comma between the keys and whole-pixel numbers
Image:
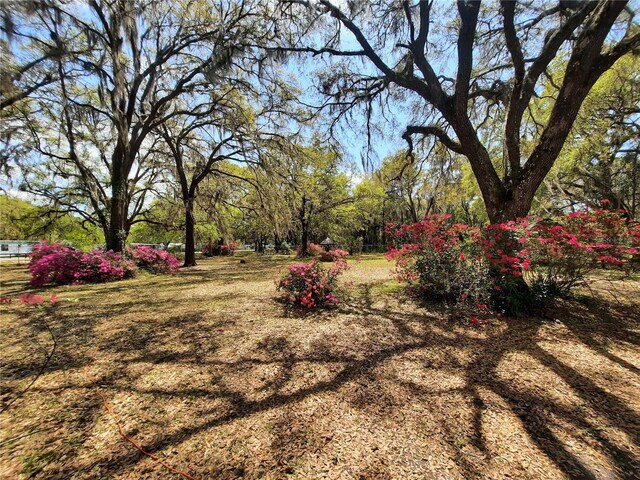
[
  {"x": 304, "y": 244},
  {"x": 118, "y": 215},
  {"x": 189, "y": 235},
  {"x": 277, "y": 243},
  {"x": 413, "y": 210},
  {"x": 509, "y": 206},
  {"x": 260, "y": 244},
  {"x": 304, "y": 225},
  {"x": 503, "y": 201}
]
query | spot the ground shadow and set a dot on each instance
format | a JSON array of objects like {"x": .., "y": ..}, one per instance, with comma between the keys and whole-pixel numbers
[{"x": 193, "y": 341}]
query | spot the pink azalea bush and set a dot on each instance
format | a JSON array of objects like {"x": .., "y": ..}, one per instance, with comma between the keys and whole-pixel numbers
[
  {"x": 310, "y": 285},
  {"x": 58, "y": 264},
  {"x": 560, "y": 253},
  {"x": 154, "y": 260},
  {"x": 333, "y": 255},
  {"x": 511, "y": 265},
  {"x": 313, "y": 250}
]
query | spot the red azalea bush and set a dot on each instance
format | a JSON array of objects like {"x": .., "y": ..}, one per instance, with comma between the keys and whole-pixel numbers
[
  {"x": 310, "y": 285},
  {"x": 558, "y": 254},
  {"x": 313, "y": 250},
  {"x": 154, "y": 260},
  {"x": 474, "y": 268},
  {"x": 55, "y": 263},
  {"x": 443, "y": 261},
  {"x": 218, "y": 250},
  {"x": 333, "y": 255}
]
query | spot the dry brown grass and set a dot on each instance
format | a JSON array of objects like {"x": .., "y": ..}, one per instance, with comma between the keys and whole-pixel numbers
[{"x": 209, "y": 372}]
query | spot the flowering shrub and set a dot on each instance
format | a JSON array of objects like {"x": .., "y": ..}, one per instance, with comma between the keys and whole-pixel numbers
[
  {"x": 43, "y": 249},
  {"x": 55, "y": 263},
  {"x": 459, "y": 263},
  {"x": 153, "y": 260},
  {"x": 444, "y": 261},
  {"x": 310, "y": 285},
  {"x": 217, "y": 250},
  {"x": 560, "y": 253},
  {"x": 333, "y": 255},
  {"x": 313, "y": 250},
  {"x": 504, "y": 248}
]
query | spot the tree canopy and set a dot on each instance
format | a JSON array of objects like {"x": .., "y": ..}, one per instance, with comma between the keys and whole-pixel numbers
[{"x": 197, "y": 121}]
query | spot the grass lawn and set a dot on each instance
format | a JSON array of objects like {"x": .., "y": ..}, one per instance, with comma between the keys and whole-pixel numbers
[{"x": 209, "y": 372}]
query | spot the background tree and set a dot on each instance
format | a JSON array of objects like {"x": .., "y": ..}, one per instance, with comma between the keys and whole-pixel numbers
[
  {"x": 23, "y": 220},
  {"x": 600, "y": 162},
  {"x": 403, "y": 180},
  {"x": 209, "y": 134},
  {"x": 268, "y": 205},
  {"x": 319, "y": 188},
  {"x": 141, "y": 58}
]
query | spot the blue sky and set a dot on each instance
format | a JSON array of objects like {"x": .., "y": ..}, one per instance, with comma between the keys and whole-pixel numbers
[{"x": 351, "y": 134}]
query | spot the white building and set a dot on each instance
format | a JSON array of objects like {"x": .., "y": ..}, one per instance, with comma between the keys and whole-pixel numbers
[{"x": 15, "y": 248}]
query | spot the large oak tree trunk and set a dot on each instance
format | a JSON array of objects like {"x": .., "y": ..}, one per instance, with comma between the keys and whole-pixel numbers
[
  {"x": 510, "y": 206},
  {"x": 118, "y": 213},
  {"x": 189, "y": 241}
]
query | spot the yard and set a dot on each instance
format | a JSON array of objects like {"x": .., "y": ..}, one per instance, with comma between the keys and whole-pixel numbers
[{"x": 209, "y": 372}]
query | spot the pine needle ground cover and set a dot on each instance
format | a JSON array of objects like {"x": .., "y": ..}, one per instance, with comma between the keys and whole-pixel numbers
[{"x": 211, "y": 374}]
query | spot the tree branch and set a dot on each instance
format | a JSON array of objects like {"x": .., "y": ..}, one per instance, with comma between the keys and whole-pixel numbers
[{"x": 432, "y": 130}]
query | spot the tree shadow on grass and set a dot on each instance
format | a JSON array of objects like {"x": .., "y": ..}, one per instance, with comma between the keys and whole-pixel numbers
[
  {"x": 602, "y": 325},
  {"x": 414, "y": 333}
]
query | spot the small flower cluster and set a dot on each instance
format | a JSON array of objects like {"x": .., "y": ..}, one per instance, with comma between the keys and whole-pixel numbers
[
  {"x": 56, "y": 263},
  {"x": 219, "y": 250},
  {"x": 31, "y": 299},
  {"x": 153, "y": 260},
  {"x": 310, "y": 285}
]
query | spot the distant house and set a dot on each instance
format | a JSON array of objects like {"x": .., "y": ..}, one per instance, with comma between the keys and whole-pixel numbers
[{"x": 15, "y": 248}]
